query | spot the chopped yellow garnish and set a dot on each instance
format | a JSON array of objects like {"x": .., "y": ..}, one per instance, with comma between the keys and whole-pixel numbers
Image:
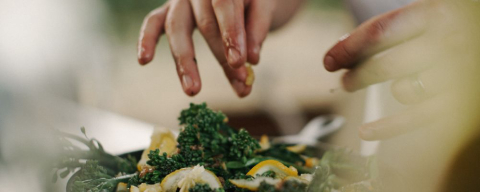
[
  {"x": 186, "y": 178},
  {"x": 146, "y": 188},
  {"x": 250, "y": 75},
  {"x": 281, "y": 170},
  {"x": 122, "y": 187},
  {"x": 264, "y": 143},
  {"x": 297, "y": 148},
  {"x": 311, "y": 162},
  {"x": 161, "y": 139},
  {"x": 134, "y": 189}
]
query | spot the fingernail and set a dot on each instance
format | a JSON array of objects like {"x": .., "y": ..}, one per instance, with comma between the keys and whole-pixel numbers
[
  {"x": 233, "y": 56},
  {"x": 330, "y": 63},
  {"x": 238, "y": 86},
  {"x": 187, "y": 82},
  {"x": 141, "y": 58},
  {"x": 256, "y": 49}
]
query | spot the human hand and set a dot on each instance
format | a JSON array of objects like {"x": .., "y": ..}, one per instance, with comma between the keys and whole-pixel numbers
[
  {"x": 430, "y": 50},
  {"x": 234, "y": 31}
]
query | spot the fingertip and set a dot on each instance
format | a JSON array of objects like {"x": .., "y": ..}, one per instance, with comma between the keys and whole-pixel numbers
[
  {"x": 330, "y": 63},
  {"x": 144, "y": 55},
  {"x": 253, "y": 55},
  {"x": 191, "y": 92},
  {"x": 144, "y": 60},
  {"x": 246, "y": 92},
  {"x": 241, "y": 88},
  {"x": 191, "y": 87}
]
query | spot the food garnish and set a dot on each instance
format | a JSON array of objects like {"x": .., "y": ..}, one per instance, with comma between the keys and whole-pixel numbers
[
  {"x": 186, "y": 178},
  {"x": 161, "y": 139},
  {"x": 271, "y": 165},
  {"x": 207, "y": 156}
]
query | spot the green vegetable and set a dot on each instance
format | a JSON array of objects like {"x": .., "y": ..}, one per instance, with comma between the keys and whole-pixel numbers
[
  {"x": 265, "y": 187},
  {"x": 205, "y": 139},
  {"x": 281, "y": 152},
  {"x": 243, "y": 146},
  {"x": 271, "y": 174},
  {"x": 94, "y": 178},
  {"x": 293, "y": 186},
  {"x": 204, "y": 188},
  {"x": 73, "y": 157},
  {"x": 323, "y": 180},
  {"x": 287, "y": 186}
]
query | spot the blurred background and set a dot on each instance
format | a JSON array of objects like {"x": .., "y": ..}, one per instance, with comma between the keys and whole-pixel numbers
[{"x": 68, "y": 64}]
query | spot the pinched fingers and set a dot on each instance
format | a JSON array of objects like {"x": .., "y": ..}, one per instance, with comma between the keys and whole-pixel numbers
[
  {"x": 179, "y": 28},
  {"x": 376, "y": 35},
  {"x": 152, "y": 29},
  {"x": 230, "y": 18},
  {"x": 240, "y": 78}
]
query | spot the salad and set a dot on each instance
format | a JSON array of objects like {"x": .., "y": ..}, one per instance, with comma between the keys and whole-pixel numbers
[{"x": 209, "y": 156}]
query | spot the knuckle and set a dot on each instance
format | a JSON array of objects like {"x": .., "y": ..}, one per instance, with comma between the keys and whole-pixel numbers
[
  {"x": 207, "y": 25},
  {"x": 181, "y": 58},
  {"x": 403, "y": 91},
  {"x": 229, "y": 32},
  {"x": 378, "y": 28},
  {"x": 346, "y": 51},
  {"x": 170, "y": 25},
  {"x": 218, "y": 3},
  {"x": 228, "y": 36}
]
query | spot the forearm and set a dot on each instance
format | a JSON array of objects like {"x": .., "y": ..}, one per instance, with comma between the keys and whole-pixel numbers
[{"x": 284, "y": 11}]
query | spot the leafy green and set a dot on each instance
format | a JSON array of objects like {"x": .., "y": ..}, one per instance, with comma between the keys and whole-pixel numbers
[
  {"x": 95, "y": 178},
  {"x": 204, "y": 188},
  {"x": 243, "y": 146},
  {"x": 271, "y": 174},
  {"x": 340, "y": 167},
  {"x": 265, "y": 187},
  {"x": 281, "y": 152},
  {"x": 205, "y": 139},
  {"x": 323, "y": 180},
  {"x": 287, "y": 186},
  {"x": 293, "y": 186},
  {"x": 73, "y": 157}
]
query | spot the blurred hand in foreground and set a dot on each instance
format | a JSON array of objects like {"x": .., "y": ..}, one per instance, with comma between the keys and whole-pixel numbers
[
  {"x": 233, "y": 29},
  {"x": 430, "y": 49}
]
